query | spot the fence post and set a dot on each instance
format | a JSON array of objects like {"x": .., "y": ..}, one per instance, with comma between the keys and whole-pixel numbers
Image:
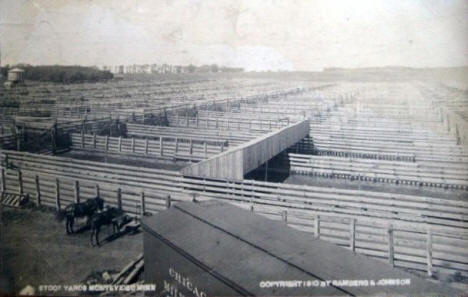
[
  {"x": 146, "y": 146},
  {"x": 217, "y": 123},
  {"x": 252, "y": 195},
  {"x": 161, "y": 144},
  {"x": 142, "y": 202},
  {"x": 38, "y": 191},
  {"x": 82, "y": 139},
  {"x": 3, "y": 180},
  {"x": 57, "y": 193},
  {"x": 168, "y": 201},
  {"x": 120, "y": 143},
  {"x": 317, "y": 227},
  {"x": 429, "y": 251},
  {"x": 94, "y": 140},
  {"x": 119, "y": 198},
  {"x": 352, "y": 238},
  {"x": 390, "y": 245},
  {"x": 18, "y": 139},
  {"x": 205, "y": 148},
  {"x": 98, "y": 194},
  {"x": 196, "y": 119},
  {"x": 176, "y": 145},
  {"x": 133, "y": 145},
  {"x": 53, "y": 137},
  {"x": 284, "y": 215},
  {"x": 20, "y": 182},
  {"x": 77, "y": 191},
  {"x": 107, "y": 143},
  {"x": 191, "y": 146}
]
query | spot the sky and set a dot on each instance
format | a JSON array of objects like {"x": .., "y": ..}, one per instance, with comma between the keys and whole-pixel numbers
[{"x": 303, "y": 35}]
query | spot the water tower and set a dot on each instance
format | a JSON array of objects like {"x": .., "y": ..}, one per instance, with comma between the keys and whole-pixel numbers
[{"x": 15, "y": 77}]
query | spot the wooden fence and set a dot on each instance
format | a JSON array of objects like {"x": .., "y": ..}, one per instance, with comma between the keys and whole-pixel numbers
[
  {"x": 380, "y": 170},
  {"x": 128, "y": 178},
  {"x": 422, "y": 233},
  {"x": 227, "y": 123},
  {"x": 9, "y": 141},
  {"x": 233, "y": 137},
  {"x": 306, "y": 146},
  {"x": 57, "y": 191},
  {"x": 173, "y": 147}
]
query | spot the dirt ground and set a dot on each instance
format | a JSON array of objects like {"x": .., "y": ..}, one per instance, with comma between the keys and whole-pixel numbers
[{"x": 35, "y": 250}]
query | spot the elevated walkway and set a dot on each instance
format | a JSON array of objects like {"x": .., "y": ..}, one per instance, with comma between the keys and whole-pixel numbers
[{"x": 234, "y": 163}]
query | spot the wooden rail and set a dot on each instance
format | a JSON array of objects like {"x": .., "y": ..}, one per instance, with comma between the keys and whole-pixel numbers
[
  {"x": 378, "y": 170},
  {"x": 409, "y": 208},
  {"x": 233, "y": 137},
  {"x": 173, "y": 147},
  {"x": 58, "y": 192},
  {"x": 9, "y": 141},
  {"x": 226, "y": 123},
  {"x": 387, "y": 226},
  {"x": 307, "y": 146},
  {"x": 116, "y": 175}
]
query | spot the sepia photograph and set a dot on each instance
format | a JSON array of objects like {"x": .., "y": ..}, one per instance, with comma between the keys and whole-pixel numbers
[{"x": 215, "y": 148}]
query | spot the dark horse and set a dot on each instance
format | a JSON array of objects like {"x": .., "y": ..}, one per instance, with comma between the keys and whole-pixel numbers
[
  {"x": 79, "y": 210},
  {"x": 111, "y": 216}
]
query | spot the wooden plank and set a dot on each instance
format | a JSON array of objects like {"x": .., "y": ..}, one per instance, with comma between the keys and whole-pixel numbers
[
  {"x": 20, "y": 182},
  {"x": 57, "y": 194},
  {"x": 429, "y": 252},
  {"x": 38, "y": 190},
  {"x": 352, "y": 236},
  {"x": 142, "y": 203},
  {"x": 391, "y": 252},
  {"x": 77, "y": 191}
]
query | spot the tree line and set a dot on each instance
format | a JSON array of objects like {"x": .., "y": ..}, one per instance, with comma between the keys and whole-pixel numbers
[
  {"x": 61, "y": 74},
  {"x": 212, "y": 68}
]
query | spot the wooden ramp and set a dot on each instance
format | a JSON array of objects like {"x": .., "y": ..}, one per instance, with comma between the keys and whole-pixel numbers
[
  {"x": 12, "y": 200},
  {"x": 236, "y": 162}
]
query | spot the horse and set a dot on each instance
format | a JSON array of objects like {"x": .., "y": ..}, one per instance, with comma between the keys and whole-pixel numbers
[
  {"x": 106, "y": 217},
  {"x": 79, "y": 210}
]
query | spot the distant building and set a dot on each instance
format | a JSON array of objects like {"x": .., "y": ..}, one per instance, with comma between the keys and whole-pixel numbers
[{"x": 15, "y": 77}]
